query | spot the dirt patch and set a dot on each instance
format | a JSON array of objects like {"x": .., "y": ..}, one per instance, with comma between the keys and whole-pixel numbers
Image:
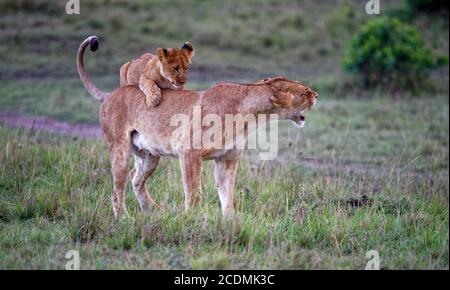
[
  {"x": 93, "y": 131},
  {"x": 50, "y": 125}
]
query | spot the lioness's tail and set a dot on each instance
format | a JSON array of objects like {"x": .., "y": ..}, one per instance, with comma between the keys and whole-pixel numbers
[{"x": 93, "y": 43}]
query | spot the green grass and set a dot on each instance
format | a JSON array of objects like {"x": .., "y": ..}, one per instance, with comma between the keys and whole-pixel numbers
[
  {"x": 291, "y": 214},
  {"x": 303, "y": 40},
  {"x": 234, "y": 40},
  {"x": 412, "y": 134}
]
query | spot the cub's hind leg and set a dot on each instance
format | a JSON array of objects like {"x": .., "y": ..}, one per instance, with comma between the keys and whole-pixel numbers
[{"x": 124, "y": 74}]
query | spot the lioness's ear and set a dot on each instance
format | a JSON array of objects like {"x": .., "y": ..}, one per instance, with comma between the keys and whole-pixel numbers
[
  {"x": 282, "y": 99},
  {"x": 188, "y": 50},
  {"x": 161, "y": 53},
  {"x": 311, "y": 97}
]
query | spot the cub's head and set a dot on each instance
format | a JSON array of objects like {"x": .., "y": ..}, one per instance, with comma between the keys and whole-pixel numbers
[{"x": 175, "y": 63}]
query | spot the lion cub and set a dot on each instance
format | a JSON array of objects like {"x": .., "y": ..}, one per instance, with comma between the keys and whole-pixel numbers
[{"x": 165, "y": 70}]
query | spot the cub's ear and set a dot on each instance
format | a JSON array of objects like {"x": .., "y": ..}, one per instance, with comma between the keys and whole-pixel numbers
[
  {"x": 188, "y": 51},
  {"x": 161, "y": 53},
  {"x": 282, "y": 99}
]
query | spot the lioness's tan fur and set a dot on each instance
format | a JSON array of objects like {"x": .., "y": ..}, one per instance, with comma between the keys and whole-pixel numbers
[{"x": 132, "y": 129}]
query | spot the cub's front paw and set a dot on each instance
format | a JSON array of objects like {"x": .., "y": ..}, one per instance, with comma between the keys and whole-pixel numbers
[{"x": 153, "y": 100}]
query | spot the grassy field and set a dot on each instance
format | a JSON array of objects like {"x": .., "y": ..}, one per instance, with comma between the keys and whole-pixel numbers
[
  {"x": 234, "y": 40},
  {"x": 294, "y": 212}
]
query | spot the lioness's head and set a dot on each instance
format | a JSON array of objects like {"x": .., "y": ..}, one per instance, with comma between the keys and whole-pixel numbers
[
  {"x": 291, "y": 98},
  {"x": 175, "y": 63}
]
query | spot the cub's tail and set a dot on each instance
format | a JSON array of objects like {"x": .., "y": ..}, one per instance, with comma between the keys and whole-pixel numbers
[{"x": 93, "y": 43}]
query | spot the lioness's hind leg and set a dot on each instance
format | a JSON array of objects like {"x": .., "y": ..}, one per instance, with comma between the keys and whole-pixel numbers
[
  {"x": 144, "y": 166},
  {"x": 120, "y": 159}
]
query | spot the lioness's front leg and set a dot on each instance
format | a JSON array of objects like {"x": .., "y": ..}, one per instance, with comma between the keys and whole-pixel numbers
[
  {"x": 225, "y": 176},
  {"x": 190, "y": 163},
  {"x": 151, "y": 90}
]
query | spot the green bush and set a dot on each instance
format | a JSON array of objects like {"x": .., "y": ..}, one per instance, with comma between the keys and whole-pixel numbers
[
  {"x": 389, "y": 53},
  {"x": 430, "y": 5}
]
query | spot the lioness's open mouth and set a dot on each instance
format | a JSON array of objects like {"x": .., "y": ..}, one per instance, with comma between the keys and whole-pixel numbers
[{"x": 299, "y": 120}]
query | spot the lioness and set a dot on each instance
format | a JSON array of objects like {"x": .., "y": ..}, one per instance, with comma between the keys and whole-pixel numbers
[{"x": 132, "y": 129}]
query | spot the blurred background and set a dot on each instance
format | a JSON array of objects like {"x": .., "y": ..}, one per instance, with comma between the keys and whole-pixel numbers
[
  {"x": 368, "y": 171},
  {"x": 334, "y": 46}
]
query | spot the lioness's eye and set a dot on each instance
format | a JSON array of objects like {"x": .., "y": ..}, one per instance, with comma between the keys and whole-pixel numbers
[
  {"x": 175, "y": 68},
  {"x": 187, "y": 69}
]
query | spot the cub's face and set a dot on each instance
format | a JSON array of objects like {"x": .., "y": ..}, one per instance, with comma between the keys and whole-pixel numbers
[{"x": 175, "y": 63}]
